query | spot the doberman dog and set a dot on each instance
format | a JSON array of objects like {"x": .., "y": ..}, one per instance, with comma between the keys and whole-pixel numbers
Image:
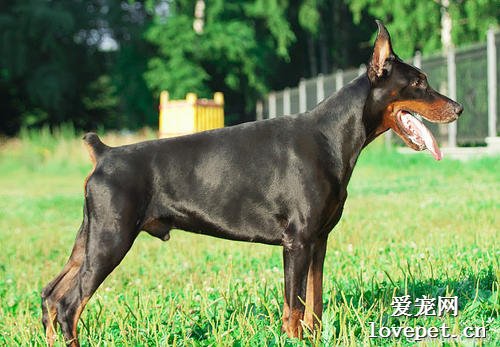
[{"x": 281, "y": 181}]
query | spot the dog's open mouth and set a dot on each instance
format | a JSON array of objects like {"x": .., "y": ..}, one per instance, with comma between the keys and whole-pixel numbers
[{"x": 418, "y": 136}]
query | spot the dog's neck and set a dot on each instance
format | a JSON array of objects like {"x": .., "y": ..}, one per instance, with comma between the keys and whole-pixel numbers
[
  {"x": 348, "y": 108},
  {"x": 344, "y": 124}
]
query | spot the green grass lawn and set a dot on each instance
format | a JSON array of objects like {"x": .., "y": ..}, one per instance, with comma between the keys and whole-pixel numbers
[{"x": 411, "y": 226}]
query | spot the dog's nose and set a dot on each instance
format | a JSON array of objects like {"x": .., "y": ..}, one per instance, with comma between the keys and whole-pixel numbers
[{"x": 458, "y": 109}]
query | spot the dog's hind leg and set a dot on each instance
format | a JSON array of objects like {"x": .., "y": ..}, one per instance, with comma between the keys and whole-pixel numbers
[
  {"x": 53, "y": 291},
  {"x": 106, "y": 236}
]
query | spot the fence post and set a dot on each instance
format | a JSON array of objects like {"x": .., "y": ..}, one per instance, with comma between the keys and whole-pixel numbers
[
  {"x": 417, "y": 59},
  {"x": 259, "y": 110},
  {"x": 286, "y": 102},
  {"x": 272, "y": 105},
  {"x": 492, "y": 84},
  {"x": 339, "y": 80},
  {"x": 302, "y": 96},
  {"x": 452, "y": 93},
  {"x": 320, "y": 88}
]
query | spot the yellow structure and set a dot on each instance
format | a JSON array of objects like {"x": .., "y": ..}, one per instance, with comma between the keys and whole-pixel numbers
[{"x": 181, "y": 117}]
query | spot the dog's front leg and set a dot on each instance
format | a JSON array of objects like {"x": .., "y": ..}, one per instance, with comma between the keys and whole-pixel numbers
[{"x": 296, "y": 259}]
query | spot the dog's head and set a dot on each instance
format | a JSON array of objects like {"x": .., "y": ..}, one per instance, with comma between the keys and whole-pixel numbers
[{"x": 400, "y": 93}]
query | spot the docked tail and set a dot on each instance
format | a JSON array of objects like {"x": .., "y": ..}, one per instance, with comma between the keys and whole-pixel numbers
[{"x": 95, "y": 146}]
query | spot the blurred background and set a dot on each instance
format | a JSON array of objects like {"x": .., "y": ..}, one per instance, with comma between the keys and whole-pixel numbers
[{"x": 101, "y": 64}]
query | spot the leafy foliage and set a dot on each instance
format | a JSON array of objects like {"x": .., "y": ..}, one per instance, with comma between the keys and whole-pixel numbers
[
  {"x": 59, "y": 59},
  {"x": 415, "y": 24},
  {"x": 52, "y": 64},
  {"x": 472, "y": 19},
  {"x": 227, "y": 55},
  {"x": 43, "y": 67}
]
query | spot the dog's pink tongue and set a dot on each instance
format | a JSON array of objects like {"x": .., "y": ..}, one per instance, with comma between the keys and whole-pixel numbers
[
  {"x": 434, "y": 149},
  {"x": 429, "y": 141}
]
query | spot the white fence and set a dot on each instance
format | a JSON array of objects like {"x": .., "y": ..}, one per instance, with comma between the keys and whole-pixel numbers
[{"x": 469, "y": 75}]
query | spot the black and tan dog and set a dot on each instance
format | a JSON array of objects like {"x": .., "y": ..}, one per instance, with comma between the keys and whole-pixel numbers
[{"x": 281, "y": 182}]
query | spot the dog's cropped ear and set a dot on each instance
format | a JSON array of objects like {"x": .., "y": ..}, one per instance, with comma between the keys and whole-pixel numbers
[{"x": 382, "y": 54}]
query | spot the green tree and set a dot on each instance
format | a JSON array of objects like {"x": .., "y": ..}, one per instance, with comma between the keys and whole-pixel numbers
[
  {"x": 471, "y": 19},
  {"x": 127, "y": 22},
  {"x": 235, "y": 53},
  {"x": 328, "y": 36},
  {"x": 54, "y": 67},
  {"x": 248, "y": 47},
  {"x": 48, "y": 58},
  {"x": 415, "y": 24}
]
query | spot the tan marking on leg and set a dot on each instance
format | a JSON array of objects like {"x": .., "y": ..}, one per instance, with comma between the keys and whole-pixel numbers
[
  {"x": 294, "y": 328},
  {"x": 50, "y": 332},
  {"x": 286, "y": 314},
  {"x": 57, "y": 293},
  {"x": 77, "y": 316},
  {"x": 65, "y": 283},
  {"x": 309, "y": 312},
  {"x": 71, "y": 268},
  {"x": 59, "y": 286},
  {"x": 314, "y": 299},
  {"x": 72, "y": 343},
  {"x": 76, "y": 257}
]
